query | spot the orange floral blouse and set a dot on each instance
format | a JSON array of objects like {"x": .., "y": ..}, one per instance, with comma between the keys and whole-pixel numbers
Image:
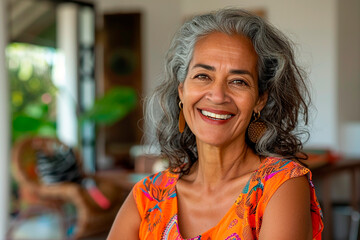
[{"x": 156, "y": 201}]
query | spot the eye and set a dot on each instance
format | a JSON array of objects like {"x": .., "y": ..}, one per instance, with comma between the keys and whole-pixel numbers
[
  {"x": 239, "y": 82},
  {"x": 202, "y": 76}
]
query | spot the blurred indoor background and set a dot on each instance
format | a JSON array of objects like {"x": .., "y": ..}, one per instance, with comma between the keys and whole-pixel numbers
[{"x": 75, "y": 74}]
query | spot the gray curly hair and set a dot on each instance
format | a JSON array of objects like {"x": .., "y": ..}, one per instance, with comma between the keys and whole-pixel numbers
[{"x": 279, "y": 76}]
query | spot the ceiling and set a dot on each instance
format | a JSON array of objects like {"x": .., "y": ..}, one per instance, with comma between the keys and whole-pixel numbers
[{"x": 32, "y": 21}]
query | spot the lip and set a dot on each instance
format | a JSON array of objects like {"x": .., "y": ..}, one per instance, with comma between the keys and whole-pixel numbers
[{"x": 212, "y": 121}]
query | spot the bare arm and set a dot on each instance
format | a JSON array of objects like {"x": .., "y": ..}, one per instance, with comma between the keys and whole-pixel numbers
[
  {"x": 127, "y": 222},
  {"x": 287, "y": 215}
]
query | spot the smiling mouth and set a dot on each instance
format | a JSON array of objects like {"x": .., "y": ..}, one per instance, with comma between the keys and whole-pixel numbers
[{"x": 215, "y": 116}]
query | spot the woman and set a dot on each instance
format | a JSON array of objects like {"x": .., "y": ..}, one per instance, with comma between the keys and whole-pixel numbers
[{"x": 233, "y": 88}]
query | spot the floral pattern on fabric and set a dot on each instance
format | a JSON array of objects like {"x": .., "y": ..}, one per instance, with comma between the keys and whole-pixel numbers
[
  {"x": 156, "y": 200},
  {"x": 157, "y": 188}
]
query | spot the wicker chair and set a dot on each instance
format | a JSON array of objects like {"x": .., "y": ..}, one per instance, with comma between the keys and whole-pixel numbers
[{"x": 91, "y": 219}]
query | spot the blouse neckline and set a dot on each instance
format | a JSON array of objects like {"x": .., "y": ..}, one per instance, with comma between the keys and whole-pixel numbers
[{"x": 243, "y": 192}]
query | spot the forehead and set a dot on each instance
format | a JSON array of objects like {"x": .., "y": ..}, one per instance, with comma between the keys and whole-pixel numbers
[{"x": 236, "y": 48}]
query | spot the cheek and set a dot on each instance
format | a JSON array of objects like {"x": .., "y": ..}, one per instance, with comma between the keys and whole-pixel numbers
[
  {"x": 246, "y": 97},
  {"x": 190, "y": 94},
  {"x": 189, "y": 100},
  {"x": 191, "y": 97},
  {"x": 246, "y": 104}
]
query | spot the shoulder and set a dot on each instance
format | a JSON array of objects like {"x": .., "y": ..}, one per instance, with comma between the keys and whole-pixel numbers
[
  {"x": 276, "y": 165},
  {"x": 278, "y": 170},
  {"x": 164, "y": 180},
  {"x": 155, "y": 188},
  {"x": 281, "y": 187},
  {"x": 291, "y": 199},
  {"x": 288, "y": 191},
  {"x": 127, "y": 221},
  {"x": 273, "y": 173}
]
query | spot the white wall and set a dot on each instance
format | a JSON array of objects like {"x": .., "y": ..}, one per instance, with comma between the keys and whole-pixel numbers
[
  {"x": 348, "y": 77},
  {"x": 312, "y": 25}
]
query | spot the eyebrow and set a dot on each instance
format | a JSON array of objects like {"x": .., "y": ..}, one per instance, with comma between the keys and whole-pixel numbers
[{"x": 233, "y": 71}]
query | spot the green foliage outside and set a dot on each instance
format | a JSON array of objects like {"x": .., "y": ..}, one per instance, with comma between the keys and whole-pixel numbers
[
  {"x": 112, "y": 107},
  {"x": 33, "y": 95}
]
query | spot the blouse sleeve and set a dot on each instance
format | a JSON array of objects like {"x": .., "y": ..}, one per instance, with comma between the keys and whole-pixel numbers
[{"x": 282, "y": 172}]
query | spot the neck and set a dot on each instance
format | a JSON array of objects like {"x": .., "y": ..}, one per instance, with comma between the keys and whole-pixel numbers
[{"x": 217, "y": 165}]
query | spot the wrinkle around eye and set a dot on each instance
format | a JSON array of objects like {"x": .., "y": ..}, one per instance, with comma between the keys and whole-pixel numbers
[
  {"x": 240, "y": 82},
  {"x": 201, "y": 76}
]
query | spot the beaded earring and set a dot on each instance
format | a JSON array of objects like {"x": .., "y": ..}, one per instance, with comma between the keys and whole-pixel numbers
[{"x": 256, "y": 128}]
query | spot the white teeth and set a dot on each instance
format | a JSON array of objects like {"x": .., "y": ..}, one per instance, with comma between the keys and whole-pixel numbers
[{"x": 215, "y": 116}]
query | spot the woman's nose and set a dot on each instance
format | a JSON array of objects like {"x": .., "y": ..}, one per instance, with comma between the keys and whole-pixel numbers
[{"x": 218, "y": 93}]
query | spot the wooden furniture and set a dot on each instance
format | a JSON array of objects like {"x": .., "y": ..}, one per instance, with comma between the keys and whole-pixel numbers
[
  {"x": 91, "y": 218},
  {"x": 324, "y": 176},
  {"x": 122, "y": 64}
]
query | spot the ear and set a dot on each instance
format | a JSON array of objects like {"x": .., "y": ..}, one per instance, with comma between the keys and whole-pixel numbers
[
  {"x": 180, "y": 90},
  {"x": 261, "y": 102}
]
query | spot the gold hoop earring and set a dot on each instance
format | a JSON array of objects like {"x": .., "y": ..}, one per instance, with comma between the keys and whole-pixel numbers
[
  {"x": 181, "y": 118},
  {"x": 256, "y": 128}
]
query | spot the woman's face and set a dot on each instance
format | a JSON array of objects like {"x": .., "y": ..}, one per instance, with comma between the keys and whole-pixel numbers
[{"x": 220, "y": 91}]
